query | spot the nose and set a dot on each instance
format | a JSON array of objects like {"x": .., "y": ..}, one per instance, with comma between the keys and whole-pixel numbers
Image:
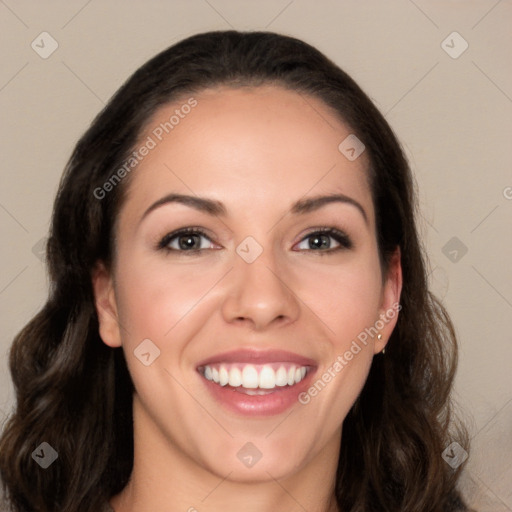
[{"x": 259, "y": 295}]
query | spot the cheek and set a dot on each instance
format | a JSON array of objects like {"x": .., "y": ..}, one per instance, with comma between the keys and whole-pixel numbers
[
  {"x": 154, "y": 297},
  {"x": 345, "y": 298}
]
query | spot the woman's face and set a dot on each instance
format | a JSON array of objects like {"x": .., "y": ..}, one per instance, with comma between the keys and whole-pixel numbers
[{"x": 245, "y": 339}]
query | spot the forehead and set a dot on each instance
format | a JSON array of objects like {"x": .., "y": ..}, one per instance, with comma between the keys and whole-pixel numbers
[{"x": 254, "y": 145}]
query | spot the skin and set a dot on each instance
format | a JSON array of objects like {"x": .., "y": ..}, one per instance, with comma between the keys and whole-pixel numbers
[{"x": 257, "y": 151}]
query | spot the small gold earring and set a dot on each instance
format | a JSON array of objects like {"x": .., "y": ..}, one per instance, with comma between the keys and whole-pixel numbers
[{"x": 379, "y": 337}]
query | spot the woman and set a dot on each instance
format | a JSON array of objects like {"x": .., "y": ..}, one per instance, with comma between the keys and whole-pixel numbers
[{"x": 238, "y": 315}]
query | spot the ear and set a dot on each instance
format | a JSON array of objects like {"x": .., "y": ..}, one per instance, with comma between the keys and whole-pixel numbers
[
  {"x": 106, "y": 306},
  {"x": 390, "y": 302}
]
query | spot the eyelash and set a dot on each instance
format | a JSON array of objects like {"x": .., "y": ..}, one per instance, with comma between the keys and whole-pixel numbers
[{"x": 343, "y": 240}]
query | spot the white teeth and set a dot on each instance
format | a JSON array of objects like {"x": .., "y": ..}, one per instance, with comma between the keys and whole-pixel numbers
[
  {"x": 249, "y": 376},
  {"x": 235, "y": 377},
  {"x": 282, "y": 376},
  {"x": 254, "y": 392},
  {"x": 267, "y": 378},
  {"x": 223, "y": 376}
]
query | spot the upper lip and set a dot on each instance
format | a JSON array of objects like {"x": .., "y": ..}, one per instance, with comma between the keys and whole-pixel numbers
[{"x": 258, "y": 356}]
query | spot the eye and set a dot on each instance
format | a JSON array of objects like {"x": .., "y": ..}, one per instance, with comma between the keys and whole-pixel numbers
[
  {"x": 194, "y": 240},
  {"x": 321, "y": 240},
  {"x": 186, "y": 240}
]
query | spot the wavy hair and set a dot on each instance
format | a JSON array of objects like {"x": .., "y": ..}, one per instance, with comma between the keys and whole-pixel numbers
[{"x": 75, "y": 393}]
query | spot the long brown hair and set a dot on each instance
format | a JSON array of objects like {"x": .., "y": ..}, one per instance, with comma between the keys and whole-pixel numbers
[{"x": 75, "y": 393}]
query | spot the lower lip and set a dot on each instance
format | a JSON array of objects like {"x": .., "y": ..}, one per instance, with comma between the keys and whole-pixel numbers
[{"x": 276, "y": 402}]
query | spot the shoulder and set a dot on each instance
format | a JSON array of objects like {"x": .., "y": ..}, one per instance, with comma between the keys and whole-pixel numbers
[{"x": 455, "y": 503}]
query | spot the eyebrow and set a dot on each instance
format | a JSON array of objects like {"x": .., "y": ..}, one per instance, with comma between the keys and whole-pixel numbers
[{"x": 216, "y": 208}]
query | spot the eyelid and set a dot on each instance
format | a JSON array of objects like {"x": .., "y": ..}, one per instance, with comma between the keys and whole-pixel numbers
[
  {"x": 344, "y": 241},
  {"x": 341, "y": 237},
  {"x": 164, "y": 242}
]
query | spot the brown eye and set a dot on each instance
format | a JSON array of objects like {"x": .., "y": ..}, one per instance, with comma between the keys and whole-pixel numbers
[
  {"x": 322, "y": 241},
  {"x": 186, "y": 240}
]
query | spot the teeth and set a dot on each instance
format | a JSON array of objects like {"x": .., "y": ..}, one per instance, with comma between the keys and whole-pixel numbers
[
  {"x": 281, "y": 376},
  {"x": 267, "y": 378},
  {"x": 254, "y": 377},
  {"x": 254, "y": 392},
  {"x": 223, "y": 376},
  {"x": 235, "y": 377},
  {"x": 250, "y": 377}
]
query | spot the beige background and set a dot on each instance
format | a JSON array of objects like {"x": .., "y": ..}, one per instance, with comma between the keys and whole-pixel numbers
[{"x": 453, "y": 116}]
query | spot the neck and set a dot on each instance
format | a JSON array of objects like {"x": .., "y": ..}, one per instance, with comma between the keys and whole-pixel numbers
[{"x": 164, "y": 478}]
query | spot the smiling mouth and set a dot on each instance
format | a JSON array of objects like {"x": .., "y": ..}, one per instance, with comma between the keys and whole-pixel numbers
[{"x": 255, "y": 379}]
